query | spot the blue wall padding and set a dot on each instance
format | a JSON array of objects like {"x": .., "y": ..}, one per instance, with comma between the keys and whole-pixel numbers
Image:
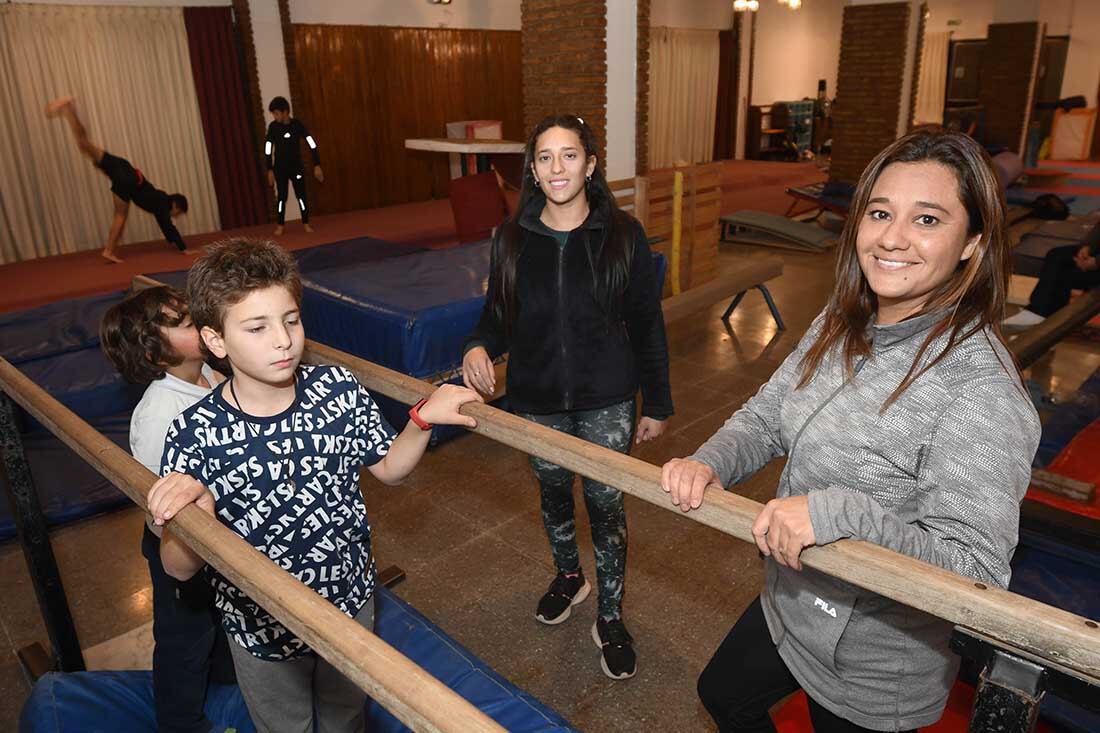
[
  {"x": 84, "y": 381},
  {"x": 123, "y": 701},
  {"x": 68, "y": 488},
  {"x": 55, "y": 328}
]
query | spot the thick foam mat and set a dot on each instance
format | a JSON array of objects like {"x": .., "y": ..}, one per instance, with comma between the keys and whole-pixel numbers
[
  {"x": 407, "y": 313},
  {"x": 57, "y": 346},
  {"x": 56, "y": 328},
  {"x": 326, "y": 256},
  {"x": 90, "y": 702}
]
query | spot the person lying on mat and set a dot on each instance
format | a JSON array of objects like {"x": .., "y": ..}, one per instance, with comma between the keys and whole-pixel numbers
[
  {"x": 904, "y": 423},
  {"x": 150, "y": 339},
  {"x": 574, "y": 299},
  {"x": 1064, "y": 269},
  {"x": 284, "y": 161},
  {"x": 275, "y": 452},
  {"x": 128, "y": 184}
]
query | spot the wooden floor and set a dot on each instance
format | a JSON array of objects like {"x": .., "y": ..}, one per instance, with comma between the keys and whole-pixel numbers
[
  {"x": 34, "y": 282},
  {"x": 745, "y": 185},
  {"x": 466, "y": 528}
]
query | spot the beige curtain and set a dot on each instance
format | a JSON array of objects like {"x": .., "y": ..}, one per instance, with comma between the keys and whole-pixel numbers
[
  {"x": 931, "y": 86},
  {"x": 130, "y": 70},
  {"x": 683, "y": 95}
]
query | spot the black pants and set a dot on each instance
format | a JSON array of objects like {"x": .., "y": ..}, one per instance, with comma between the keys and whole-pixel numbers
[
  {"x": 1057, "y": 278},
  {"x": 611, "y": 427},
  {"x": 298, "y": 180},
  {"x": 124, "y": 177},
  {"x": 190, "y": 647},
  {"x": 746, "y": 677}
]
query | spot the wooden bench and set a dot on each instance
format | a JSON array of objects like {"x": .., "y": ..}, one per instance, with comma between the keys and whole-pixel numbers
[{"x": 752, "y": 272}]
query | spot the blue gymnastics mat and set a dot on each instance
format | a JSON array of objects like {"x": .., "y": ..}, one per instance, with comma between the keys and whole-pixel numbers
[{"x": 90, "y": 702}]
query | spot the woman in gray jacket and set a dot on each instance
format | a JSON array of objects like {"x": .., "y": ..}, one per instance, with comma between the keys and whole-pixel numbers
[{"x": 904, "y": 423}]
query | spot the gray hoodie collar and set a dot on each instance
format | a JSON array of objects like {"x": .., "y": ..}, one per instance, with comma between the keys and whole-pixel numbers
[{"x": 888, "y": 336}]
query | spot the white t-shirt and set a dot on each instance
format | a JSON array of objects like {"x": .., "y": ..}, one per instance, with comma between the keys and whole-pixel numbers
[{"x": 163, "y": 400}]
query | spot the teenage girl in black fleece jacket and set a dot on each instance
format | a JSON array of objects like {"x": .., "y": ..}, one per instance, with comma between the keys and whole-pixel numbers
[{"x": 573, "y": 297}]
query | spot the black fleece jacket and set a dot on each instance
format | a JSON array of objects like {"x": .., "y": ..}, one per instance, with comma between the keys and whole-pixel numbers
[{"x": 565, "y": 352}]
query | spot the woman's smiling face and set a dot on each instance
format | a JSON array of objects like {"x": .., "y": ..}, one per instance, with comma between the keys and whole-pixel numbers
[
  {"x": 913, "y": 235},
  {"x": 560, "y": 165}
]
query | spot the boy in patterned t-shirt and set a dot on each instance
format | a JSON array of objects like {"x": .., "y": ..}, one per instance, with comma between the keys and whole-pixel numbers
[{"x": 278, "y": 447}]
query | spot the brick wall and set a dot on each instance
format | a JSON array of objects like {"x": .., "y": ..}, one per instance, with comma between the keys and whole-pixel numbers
[
  {"x": 565, "y": 62},
  {"x": 1008, "y": 75},
  {"x": 869, "y": 85},
  {"x": 641, "y": 111},
  {"x": 915, "y": 86}
]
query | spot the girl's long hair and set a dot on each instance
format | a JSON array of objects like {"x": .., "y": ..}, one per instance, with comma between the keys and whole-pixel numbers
[
  {"x": 975, "y": 294},
  {"x": 609, "y": 260}
]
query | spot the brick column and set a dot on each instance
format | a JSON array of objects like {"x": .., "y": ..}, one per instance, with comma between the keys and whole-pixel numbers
[
  {"x": 565, "y": 62},
  {"x": 1008, "y": 82},
  {"x": 913, "y": 87},
  {"x": 641, "y": 112},
  {"x": 870, "y": 83}
]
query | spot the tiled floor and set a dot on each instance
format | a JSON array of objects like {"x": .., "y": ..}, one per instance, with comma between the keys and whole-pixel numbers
[{"x": 466, "y": 529}]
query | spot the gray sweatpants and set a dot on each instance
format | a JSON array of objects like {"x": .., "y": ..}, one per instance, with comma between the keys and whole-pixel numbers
[{"x": 282, "y": 696}]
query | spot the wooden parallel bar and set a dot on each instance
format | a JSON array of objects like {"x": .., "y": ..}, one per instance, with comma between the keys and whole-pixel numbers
[
  {"x": 1062, "y": 638},
  {"x": 415, "y": 697},
  {"x": 1036, "y": 341},
  {"x": 1050, "y": 633}
]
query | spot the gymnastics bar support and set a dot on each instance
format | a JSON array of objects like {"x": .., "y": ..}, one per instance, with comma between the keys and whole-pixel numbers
[
  {"x": 416, "y": 698},
  {"x": 30, "y": 525},
  {"x": 1062, "y": 639}
]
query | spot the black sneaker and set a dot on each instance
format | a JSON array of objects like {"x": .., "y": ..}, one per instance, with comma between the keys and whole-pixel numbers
[
  {"x": 565, "y": 592},
  {"x": 616, "y": 646}
]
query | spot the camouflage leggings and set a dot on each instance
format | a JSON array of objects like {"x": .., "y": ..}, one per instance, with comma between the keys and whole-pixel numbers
[{"x": 611, "y": 427}]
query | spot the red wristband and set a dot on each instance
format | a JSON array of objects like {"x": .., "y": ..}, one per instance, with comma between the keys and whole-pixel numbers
[{"x": 414, "y": 415}]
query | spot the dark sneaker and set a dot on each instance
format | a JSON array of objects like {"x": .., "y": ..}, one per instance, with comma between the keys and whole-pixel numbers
[
  {"x": 616, "y": 646},
  {"x": 565, "y": 592}
]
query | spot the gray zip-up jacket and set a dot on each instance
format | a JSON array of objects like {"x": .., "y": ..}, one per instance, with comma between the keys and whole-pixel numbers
[{"x": 938, "y": 476}]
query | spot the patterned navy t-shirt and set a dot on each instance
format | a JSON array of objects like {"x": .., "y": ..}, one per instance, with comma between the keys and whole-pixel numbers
[{"x": 289, "y": 485}]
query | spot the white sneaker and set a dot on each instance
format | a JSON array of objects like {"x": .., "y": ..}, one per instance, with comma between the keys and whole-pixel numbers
[{"x": 1023, "y": 319}]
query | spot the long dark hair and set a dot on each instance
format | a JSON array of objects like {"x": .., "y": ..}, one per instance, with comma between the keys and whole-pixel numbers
[
  {"x": 975, "y": 294},
  {"x": 611, "y": 259}
]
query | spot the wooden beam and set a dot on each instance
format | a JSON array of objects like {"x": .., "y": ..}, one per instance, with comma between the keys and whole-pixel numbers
[
  {"x": 1036, "y": 341},
  {"x": 1062, "y": 638},
  {"x": 415, "y": 697},
  {"x": 1069, "y": 640},
  {"x": 750, "y": 273}
]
